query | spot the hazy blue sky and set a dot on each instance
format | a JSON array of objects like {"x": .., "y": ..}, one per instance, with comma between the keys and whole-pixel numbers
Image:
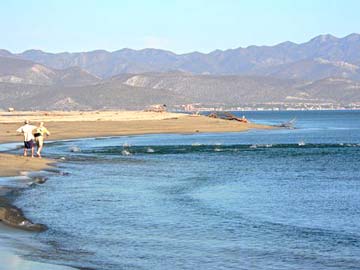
[{"x": 180, "y": 26}]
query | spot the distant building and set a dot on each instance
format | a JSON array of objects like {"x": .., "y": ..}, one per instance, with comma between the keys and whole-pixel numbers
[{"x": 157, "y": 108}]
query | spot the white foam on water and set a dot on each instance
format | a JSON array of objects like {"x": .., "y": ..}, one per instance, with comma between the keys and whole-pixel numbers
[
  {"x": 75, "y": 149},
  {"x": 196, "y": 144},
  {"x": 125, "y": 153},
  {"x": 150, "y": 150}
]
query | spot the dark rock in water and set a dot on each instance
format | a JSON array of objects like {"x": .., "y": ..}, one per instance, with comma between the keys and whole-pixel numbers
[
  {"x": 57, "y": 171},
  {"x": 13, "y": 216},
  {"x": 40, "y": 179},
  {"x": 52, "y": 170},
  {"x": 75, "y": 149}
]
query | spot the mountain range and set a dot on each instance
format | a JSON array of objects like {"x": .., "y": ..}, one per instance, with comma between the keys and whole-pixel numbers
[{"x": 324, "y": 69}]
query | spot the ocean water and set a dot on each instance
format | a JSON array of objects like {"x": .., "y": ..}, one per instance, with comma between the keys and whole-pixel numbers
[{"x": 279, "y": 199}]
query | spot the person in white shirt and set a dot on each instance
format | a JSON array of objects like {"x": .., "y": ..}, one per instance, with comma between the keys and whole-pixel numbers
[{"x": 27, "y": 131}]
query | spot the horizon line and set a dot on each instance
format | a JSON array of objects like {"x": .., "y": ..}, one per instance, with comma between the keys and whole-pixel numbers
[{"x": 185, "y": 53}]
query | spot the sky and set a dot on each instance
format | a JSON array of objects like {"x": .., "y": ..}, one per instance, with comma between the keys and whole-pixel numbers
[{"x": 180, "y": 26}]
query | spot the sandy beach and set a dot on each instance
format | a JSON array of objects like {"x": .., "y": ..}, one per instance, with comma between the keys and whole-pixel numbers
[{"x": 71, "y": 125}]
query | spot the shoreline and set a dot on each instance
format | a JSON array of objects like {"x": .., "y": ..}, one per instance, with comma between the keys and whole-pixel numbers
[
  {"x": 11, "y": 235},
  {"x": 20, "y": 164},
  {"x": 67, "y": 126}
]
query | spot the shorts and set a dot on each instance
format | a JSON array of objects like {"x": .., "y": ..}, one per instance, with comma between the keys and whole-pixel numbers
[{"x": 29, "y": 144}]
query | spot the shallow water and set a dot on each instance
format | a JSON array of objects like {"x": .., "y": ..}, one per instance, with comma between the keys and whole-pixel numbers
[{"x": 281, "y": 199}]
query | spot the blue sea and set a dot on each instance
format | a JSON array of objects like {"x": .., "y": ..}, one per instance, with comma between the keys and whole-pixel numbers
[{"x": 263, "y": 199}]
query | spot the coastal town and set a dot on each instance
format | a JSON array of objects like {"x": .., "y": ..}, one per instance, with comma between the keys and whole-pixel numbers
[{"x": 271, "y": 106}]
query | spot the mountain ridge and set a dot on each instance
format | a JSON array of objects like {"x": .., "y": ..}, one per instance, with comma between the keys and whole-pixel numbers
[
  {"x": 13, "y": 70},
  {"x": 248, "y": 60},
  {"x": 321, "y": 36},
  {"x": 137, "y": 91},
  {"x": 324, "y": 70}
]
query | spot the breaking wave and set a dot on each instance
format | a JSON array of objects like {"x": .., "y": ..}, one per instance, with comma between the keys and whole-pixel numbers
[{"x": 196, "y": 148}]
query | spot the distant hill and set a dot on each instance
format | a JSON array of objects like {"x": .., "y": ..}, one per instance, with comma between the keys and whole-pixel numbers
[
  {"x": 325, "y": 54},
  {"x": 138, "y": 91},
  {"x": 232, "y": 90},
  {"x": 100, "y": 96},
  {"x": 215, "y": 89},
  {"x": 334, "y": 90},
  {"x": 312, "y": 69},
  {"x": 323, "y": 70},
  {"x": 14, "y": 70}
]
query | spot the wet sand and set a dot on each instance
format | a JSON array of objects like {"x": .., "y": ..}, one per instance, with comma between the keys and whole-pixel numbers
[{"x": 11, "y": 165}]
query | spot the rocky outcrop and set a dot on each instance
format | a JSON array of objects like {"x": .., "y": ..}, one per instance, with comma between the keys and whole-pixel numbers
[{"x": 13, "y": 216}]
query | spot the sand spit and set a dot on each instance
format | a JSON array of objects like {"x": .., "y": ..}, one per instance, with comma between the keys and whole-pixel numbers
[{"x": 71, "y": 125}]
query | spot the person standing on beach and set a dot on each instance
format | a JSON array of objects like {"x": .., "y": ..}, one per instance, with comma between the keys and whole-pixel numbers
[
  {"x": 40, "y": 132},
  {"x": 27, "y": 131}
]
